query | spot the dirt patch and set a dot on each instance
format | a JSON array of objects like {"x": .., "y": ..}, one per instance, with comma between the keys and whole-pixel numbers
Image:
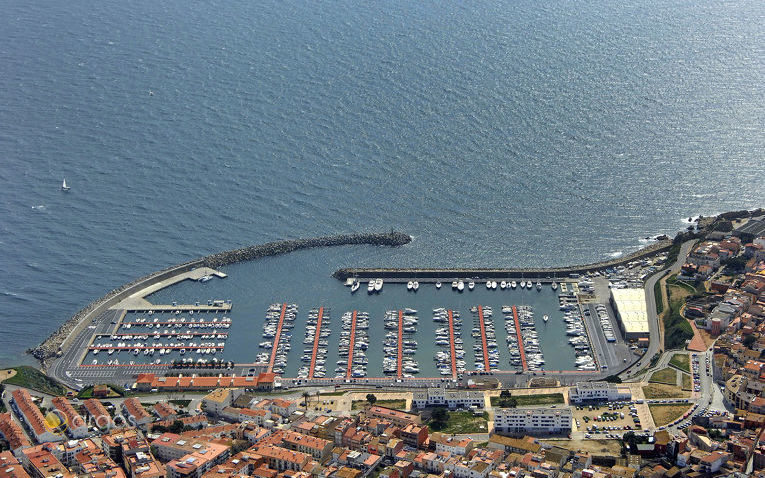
[
  {"x": 6, "y": 374},
  {"x": 659, "y": 390},
  {"x": 595, "y": 447},
  {"x": 665, "y": 413}
]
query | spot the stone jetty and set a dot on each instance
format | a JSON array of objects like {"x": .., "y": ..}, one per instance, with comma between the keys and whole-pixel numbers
[{"x": 434, "y": 274}]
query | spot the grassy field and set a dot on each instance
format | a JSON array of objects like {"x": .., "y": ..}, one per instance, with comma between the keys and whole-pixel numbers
[
  {"x": 395, "y": 404},
  {"x": 687, "y": 382},
  {"x": 666, "y": 375},
  {"x": 526, "y": 400},
  {"x": 681, "y": 361},
  {"x": 665, "y": 413},
  {"x": 659, "y": 390},
  {"x": 34, "y": 379},
  {"x": 180, "y": 403},
  {"x": 463, "y": 422},
  {"x": 657, "y": 296}
]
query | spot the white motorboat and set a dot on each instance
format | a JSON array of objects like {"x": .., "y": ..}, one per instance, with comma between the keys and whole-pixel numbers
[
  {"x": 460, "y": 286},
  {"x": 529, "y": 285},
  {"x": 503, "y": 285},
  {"x": 371, "y": 286},
  {"x": 471, "y": 285},
  {"x": 545, "y": 317},
  {"x": 409, "y": 285},
  {"x": 454, "y": 284},
  {"x": 493, "y": 284},
  {"x": 554, "y": 285},
  {"x": 355, "y": 286},
  {"x": 438, "y": 284},
  {"x": 378, "y": 285},
  {"x": 523, "y": 284},
  {"x": 539, "y": 285},
  {"x": 513, "y": 285},
  {"x": 415, "y": 286},
  {"x": 488, "y": 284}
]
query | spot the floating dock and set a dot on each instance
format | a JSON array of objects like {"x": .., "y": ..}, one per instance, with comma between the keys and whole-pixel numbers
[
  {"x": 400, "y": 353},
  {"x": 349, "y": 370},
  {"x": 486, "y": 365},
  {"x": 521, "y": 349},
  {"x": 451, "y": 344},
  {"x": 276, "y": 339},
  {"x": 147, "y": 335},
  {"x": 177, "y": 323},
  {"x": 316, "y": 342},
  {"x": 224, "y": 307}
]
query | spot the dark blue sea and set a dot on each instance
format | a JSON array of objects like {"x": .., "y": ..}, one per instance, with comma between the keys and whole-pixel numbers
[{"x": 508, "y": 133}]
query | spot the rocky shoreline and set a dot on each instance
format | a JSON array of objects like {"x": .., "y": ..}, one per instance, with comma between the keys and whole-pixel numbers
[{"x": 51, "y": 347}]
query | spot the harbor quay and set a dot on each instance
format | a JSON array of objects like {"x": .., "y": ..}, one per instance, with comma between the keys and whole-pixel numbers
[{"x": 393, "y": 327}]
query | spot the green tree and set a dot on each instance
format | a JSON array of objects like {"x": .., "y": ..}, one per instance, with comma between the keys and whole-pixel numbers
[
  {"x": 371, "y": 398},
  {"x": 305, "y": 400},
  {"x": 749, "y": 340},
  {"x": 176, "y": 427},
  {"x": 439, "y": 417},
  {"x": 504, "y": 394}
]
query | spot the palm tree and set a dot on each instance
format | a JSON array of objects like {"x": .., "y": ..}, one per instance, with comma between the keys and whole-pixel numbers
[{"x": 305, "y": 400}]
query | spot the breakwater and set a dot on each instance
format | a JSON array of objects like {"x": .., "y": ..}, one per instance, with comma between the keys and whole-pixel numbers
[
  {"x": 433, "y": 274},
  {"x": 58, "y": 340}
]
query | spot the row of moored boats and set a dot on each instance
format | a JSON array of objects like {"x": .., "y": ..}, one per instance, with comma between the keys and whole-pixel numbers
[
  {"x": 492, "y": 350},
  {"x": 270, "y": 330},
  {"x": 320, "y": 368},
  {"x": 443, "y": 357},
  {"x": 575, "y": 330},
  {"x": 358, "y": 354},
  {"x": 409, "y": 366}
]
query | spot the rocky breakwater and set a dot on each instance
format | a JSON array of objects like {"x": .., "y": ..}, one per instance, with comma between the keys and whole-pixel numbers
[
  {"x": 282, "y": 247},
  {"x": 53, "y": 345}
]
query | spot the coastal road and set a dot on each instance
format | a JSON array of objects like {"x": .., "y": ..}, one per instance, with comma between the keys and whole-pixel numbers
[{"x": 654, "y": 326}]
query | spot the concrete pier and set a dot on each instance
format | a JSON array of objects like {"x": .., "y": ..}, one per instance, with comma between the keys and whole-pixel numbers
[
  {"x": 349, "y": 370},
  {"x": 276, "y": 338},
  {"x": 486, "y": 365},
  {"x": 317, "y": 335}
]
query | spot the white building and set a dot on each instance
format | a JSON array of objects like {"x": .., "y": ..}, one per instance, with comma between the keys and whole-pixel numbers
[
  {"x": 551, "y": 420},
  {"x": 597, "y": 391},
  {"x": 632, "y": 311},
  {"x": 451, "y": 398}
]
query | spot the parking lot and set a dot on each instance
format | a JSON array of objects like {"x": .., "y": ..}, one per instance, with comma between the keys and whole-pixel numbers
[{"x": 609, "y": 420}]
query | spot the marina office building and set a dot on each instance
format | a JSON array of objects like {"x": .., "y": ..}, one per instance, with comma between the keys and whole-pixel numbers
[
  {"x": 533, "y": 420},
  {"x": 632, "y": 312},
  {"x": 451, "y": 398},
  {"x": 597, "y": 391}
]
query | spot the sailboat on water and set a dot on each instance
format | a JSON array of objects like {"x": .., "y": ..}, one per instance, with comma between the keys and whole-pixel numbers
[{"x": 64, "y": 187}]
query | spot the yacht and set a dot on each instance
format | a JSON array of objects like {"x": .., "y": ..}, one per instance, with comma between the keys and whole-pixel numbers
[
  {"x": 204, "y": 279},
  {"x": 64, "y": 187},
  {"x": 355, "y": 286},
  {"x": 378, "y": 285},
  {"x": 438, "y": 284},
  {"x": 513, "y": 285},
  {"x": 460, "y": 286},
  {"x": 454, "y": 284},
  {"x": 488, "y": 285},
  {"x": 545, "y": 317},
  {"x": 523, "y": 284},
  {"x": 554, "y": 285},
  {"x": 539, "y": 285},
  {"x": 409, "y": 285},
  {"x": 371, "y": 286},
  {"x": 415, "y": 286},
  {"x": 529, "y": 285},
  {"x": 493, "y": 284},
  {"x": 503, "y": 285}
]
